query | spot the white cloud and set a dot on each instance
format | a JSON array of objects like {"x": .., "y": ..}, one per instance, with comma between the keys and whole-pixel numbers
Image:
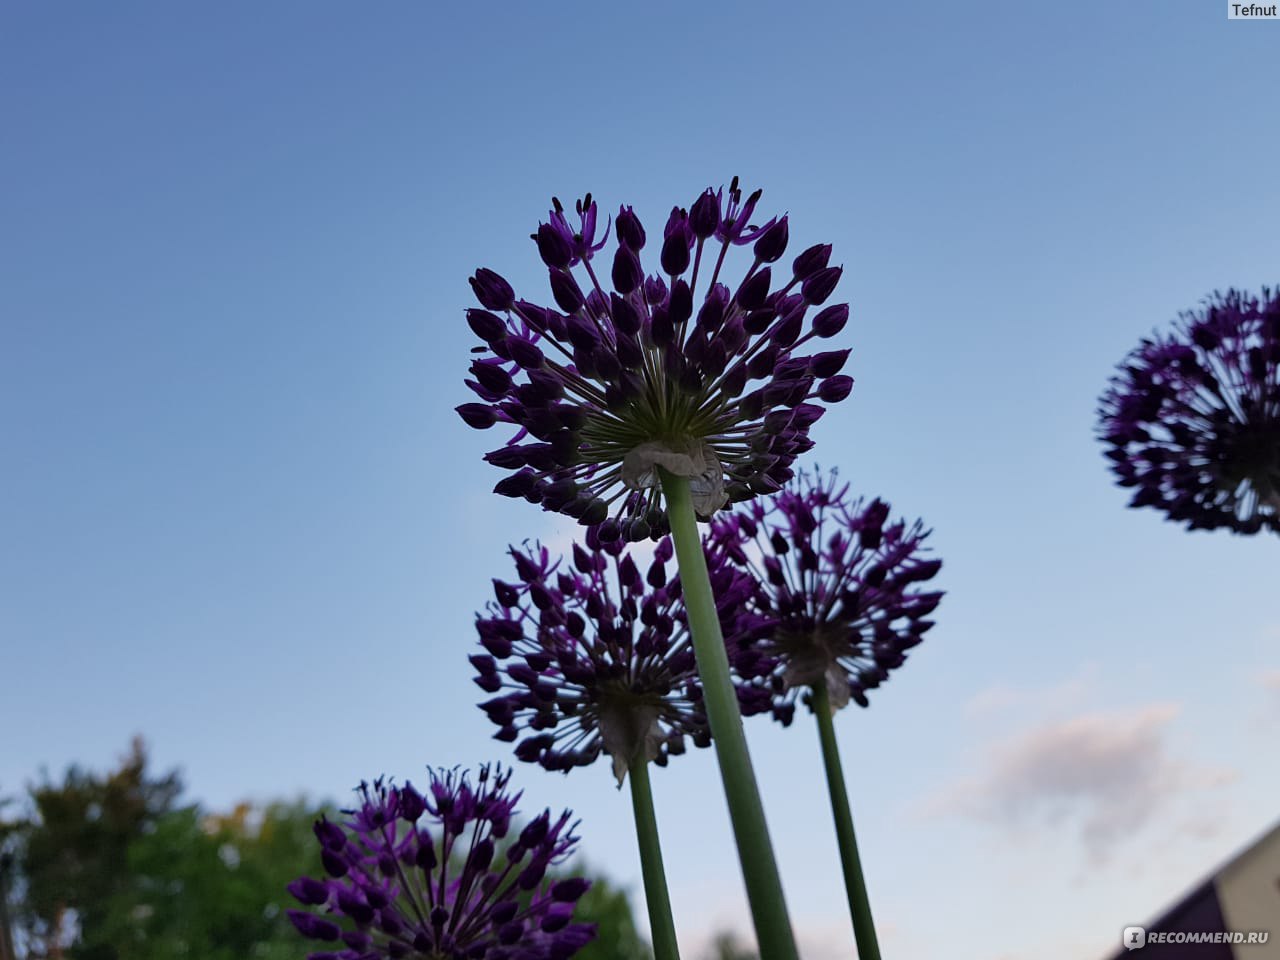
[{"x": 1103, "y": 774}]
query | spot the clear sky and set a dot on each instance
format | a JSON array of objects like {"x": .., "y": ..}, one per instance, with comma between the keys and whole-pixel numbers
[{"x": 239, "y": 517}]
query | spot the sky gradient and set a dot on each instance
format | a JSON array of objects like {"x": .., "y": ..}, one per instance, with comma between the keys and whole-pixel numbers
[{"x": 239, "y": 517}]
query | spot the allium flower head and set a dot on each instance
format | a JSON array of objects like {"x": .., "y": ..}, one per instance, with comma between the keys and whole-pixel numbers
[
  {"x": 1192, "y": 420},
  {"x": 593, "y": 657},
  {"x": 836, "y": 596},
  {"x": 420, "y": 876},
  {"x": 710, "y": 378}
]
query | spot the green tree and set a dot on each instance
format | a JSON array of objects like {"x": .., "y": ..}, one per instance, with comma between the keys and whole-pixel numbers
[
  {"x": 8, "y": 863},
  {"x": 109, "y": 868},
  {"x": 72, "y": 852},
  {"x": 213, "y": 887}
]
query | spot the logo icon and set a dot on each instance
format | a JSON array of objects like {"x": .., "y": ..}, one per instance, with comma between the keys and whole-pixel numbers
[{"x": 1134, "y": 937}]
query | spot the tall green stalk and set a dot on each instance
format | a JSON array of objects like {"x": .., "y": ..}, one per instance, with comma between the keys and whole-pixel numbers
[
  {"x": 855, "y": 884},
  {"x": 746, "y": 812},
  {"x": 661, "y": 926}
]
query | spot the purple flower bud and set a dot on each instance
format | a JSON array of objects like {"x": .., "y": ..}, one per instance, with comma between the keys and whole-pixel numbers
[
  {"x": 831, "y": 320},
  {"x": 313, "y": 927},
  {"x": 630, "y": 232},
  {"x": 596, "y": 512},
  {"x": 568, "y": 891},
  {"x": 627, "y": 272},
  {"x": 516, "y": 485},
  {"x": 412, "y": 806},
  {"x": 625, "y": 318},
  {"x": 753, "y": 291},
  {"x": 711, "y": 315},
  {"x": 661, "y": 329},
  {"x": 357, "y": 940},
  {"x": 525, "y": 353},
  {"x": 681, "y": 303},
  {"x": 493, "y": 292},
  {"x": 333, "y": 862},
  {"x": 773, "y": 242},
  {"x": 629, "y": 353},
  {"x": 830, "y": 363},
  {"x": 329, "y": 834},
  {"x": 556, "y": 920},
  {"x": 1205, "y": 337},
  {"x": 566, "y": 291},
  {"x": 354, "y": 906},
  {"x": 582, "y": 333},
  {"x": 735, "y": 381},
  {"x": 776, "y": 422},
  {"x": 758, "y": 321},
  {"x": 717, "y": 358},
  {"x": 792, "y": 367},
  {"x": 788, "y": 328},
  {"x": 492, "y": 377},
  {"x": 553, "y": 247},
  {"x": 818, "y": 287},
  {"x": 309, "y": 891},
  {"x": 734, "y": 337},
  {"x": 704, "y": 216},
  {"x": 806, "y": 415},
  {"x": 835, "y": 389},
  {"x": 811, "y": 261},
  {"x": 486, "y": 325},
  {"x": 508, "y": 458},
  {"x": 779, "y": 392},
  {"x": 675, "y": 253},
  {"x": 478, "y": 415},
  {"x": 752, "y": 404},
  {"x": 655, "y": 290},
  {"x": 532, "y": 875}
]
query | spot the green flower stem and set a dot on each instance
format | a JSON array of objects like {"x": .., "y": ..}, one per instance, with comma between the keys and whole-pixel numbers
[
  {"x": 855, "y": 884},
  {"x": 746, "y": 812},
  {"x": 661, "y": 926}
]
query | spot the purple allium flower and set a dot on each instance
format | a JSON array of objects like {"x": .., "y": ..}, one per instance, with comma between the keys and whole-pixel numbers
[
  {"x": 1192, "y": 419},
  {"x": 836, "y": 599},
  {"x": 422, "y": 876},
  {"x": 682, "y": 370},
  {"x": 594, "y": 657}
]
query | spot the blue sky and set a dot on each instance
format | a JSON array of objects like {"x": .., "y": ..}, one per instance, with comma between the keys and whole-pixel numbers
[{"x": 239, "y": 517}]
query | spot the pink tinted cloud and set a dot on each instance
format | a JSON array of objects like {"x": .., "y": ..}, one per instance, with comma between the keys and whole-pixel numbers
[{"x": 1108, "y": 773}]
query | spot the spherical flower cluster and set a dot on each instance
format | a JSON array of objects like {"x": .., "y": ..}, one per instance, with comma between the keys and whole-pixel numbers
[
  {"x": 679, "y": 370},
  {"x": 837, "y": 599},
  {"x": 593, "y": 658},
  {"x": 1192, "y": 420},
  {"x": 421, "y": 876}
]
